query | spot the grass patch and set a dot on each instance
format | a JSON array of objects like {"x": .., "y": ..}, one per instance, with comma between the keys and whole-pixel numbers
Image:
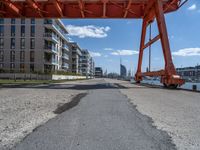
[{"x": 2, "y": 82}]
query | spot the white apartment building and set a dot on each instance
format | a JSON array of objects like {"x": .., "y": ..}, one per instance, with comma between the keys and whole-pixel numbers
[
  {"x": 87, "y": 63},
  {"x": 75, "y": 56},
  {"x": 33, "y": 45}
]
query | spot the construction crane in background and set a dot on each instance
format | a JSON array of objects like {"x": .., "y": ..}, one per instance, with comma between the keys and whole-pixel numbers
[{"x": 147, "y": 10}]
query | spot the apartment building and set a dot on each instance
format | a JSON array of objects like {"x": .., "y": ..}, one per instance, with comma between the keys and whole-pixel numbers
[
  {"x": 33, "y": 45},
  {"x": 85, "y": 63},
  {"x": 92, "y": 67},
  {"x": 75, "y": 56}
]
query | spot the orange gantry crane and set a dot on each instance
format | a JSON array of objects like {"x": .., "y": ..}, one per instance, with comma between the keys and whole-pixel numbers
[{"x": 147, "y": 10}]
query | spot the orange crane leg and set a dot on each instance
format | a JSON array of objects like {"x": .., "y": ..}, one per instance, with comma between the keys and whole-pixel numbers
[{"x": 169, "y": 77}]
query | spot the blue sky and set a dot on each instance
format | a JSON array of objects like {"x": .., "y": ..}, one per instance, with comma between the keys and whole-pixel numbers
[{"x": 110, "y": 39}]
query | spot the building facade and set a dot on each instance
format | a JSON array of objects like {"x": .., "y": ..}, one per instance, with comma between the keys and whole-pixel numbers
[
  {"x": 86, "y": 63},
  {"x": 123, "y": 71},
  {"x": 98, "y": 72},
  {"x": 33, "y": 45},
  {"x": 191, "y": 73},
  {"x": 75, "y": 56}
]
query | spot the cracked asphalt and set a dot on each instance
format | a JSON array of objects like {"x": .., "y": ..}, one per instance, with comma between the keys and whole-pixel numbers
[{"x": 104, "y": 119}]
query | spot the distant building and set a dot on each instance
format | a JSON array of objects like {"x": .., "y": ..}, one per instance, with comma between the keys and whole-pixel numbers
[
  {"x": 98, "y": 72},
  {"x": 86, "y": 63},
  {"x": 123, "y": 71},
  {"x": 189, "y": 72},
  {"x": 75, "y": 58},
  {"x": 33, "y": 45}
]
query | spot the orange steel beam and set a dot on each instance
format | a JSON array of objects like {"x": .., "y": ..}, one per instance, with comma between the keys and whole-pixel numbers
[
  {"x": 127, "y": 8},
  {"x": 81, "y": 6},
  {"x": 88, "y": 8},
  {"x": 155, "y": 9},
  {"x": 35, "y": 7},
  {"x": 11, "y": 7}
]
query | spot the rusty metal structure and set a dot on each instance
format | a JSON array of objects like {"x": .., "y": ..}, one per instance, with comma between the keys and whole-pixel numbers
[{"x": 147, "y": 10}]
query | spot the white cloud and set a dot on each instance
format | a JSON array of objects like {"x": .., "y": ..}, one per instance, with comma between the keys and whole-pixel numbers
[
  {"x": 108, "y": 49},
  {"x": 192, "y": 7},
  {"x": 124, "y": 52},
  {"x": 88, "y": 31},
  {"x": 187, "y": 52},
  {"x": 95, "y": 54}
]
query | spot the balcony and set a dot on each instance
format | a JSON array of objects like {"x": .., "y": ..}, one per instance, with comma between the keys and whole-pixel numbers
[
  {"x": 51, "y": 37},
  {"x": 50, "y": 48},
  {"x": 65, "y": 47},
  {"x": 65, "y": 56},
  {"x": 50, "y": 62},
  {"x": 65, "y": 65}
]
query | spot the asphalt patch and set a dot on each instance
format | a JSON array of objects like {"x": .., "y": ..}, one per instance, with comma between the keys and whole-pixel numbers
[{"x": 71, "y": 104}]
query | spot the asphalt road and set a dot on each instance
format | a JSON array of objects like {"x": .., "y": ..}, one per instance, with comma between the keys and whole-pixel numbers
[{"x": 101, "y": 120}]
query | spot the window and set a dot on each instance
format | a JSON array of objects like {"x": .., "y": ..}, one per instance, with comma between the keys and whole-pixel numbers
[
  {"x": 32, "y": 21},
  {"x": 12, "y": 56},
  {"x": 12, "y": 67},
  {"x": 31, "y": 67},
  {"x": 1, "y": 56},
  {"x": 1, "y": 43},
  {"x": 12, "y": 30},
  {"x": 48, "y": 21},
  {"x": 1, "y": 21},
  {"x": 32, "y": 30},
  {"x": 32, "y": 43},
  {"x": 22, "y": 67},
  {"x": 23, "y": 21},
  {"x": 22, "y": 56},
  {"x": 1, "y": 30},
  {"x": 12, "y": 43},
  {"x": 23, "y": 30},
  {"x": 32, "y": 56},
  {"x": 22, "y": 43},
  {"x": 12, "y": 21},
  {"x": 1, "y": 65}
]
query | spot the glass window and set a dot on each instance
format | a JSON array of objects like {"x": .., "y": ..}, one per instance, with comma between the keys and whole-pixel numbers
[
  {"x": 1, "y": 56},
  {"x": 32, "y": 21},
  {"x": 12, "y": 56},
  {"x": 23, "y": 30},
  {"x": 32, "y": 56},
  {"x": 22, "y": 56},
  {"x": 32, "y": 30},
  {"x": 22, "y": 67},
  {"x": 22, "y": 21},
  {"x": 1, "y": 30},
  {"x": 48, "y": 21},
  {"x": 1, "y": 65},
  {"x": 12, "y": 43},
  {"x": 12, "y": 21},
  {"x": 1, "y": 21},
  {"x": 22, "y": 43},
  {"x": 12, "y": 67},
  {"x": 12, "y": 30},
  {"x": 32, "y": 43},
  {"x": 1, "y": 43},
  {"x": 32, "y": 67}
]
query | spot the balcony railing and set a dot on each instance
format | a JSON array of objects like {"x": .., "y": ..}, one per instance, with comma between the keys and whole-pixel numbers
[
  {"x": 51, "y": 35},
  {"x": 50, "y": 47},
  {"x": 65, "y": 56}
]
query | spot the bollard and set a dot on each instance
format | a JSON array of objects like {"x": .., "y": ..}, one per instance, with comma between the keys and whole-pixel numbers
[{"x": 194, "y": 87}]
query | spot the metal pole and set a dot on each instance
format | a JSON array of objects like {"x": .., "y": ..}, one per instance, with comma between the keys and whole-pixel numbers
[{"x": 150, "y": 47}]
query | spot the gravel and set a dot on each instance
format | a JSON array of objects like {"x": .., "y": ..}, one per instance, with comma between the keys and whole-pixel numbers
[
  {"x": 23, "y": 109},
  {"x": 174, "y": 111}
]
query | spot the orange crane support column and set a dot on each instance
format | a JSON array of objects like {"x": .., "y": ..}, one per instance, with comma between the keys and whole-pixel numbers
[{"x": 169, "y": 77}]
